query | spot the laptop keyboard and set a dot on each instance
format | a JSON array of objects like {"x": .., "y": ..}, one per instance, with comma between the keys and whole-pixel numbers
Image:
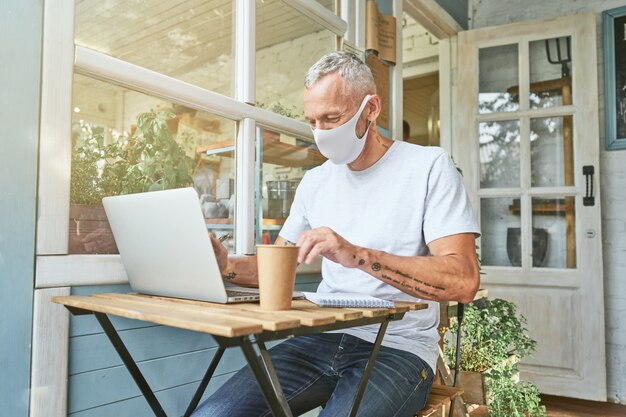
[{"x": 235, "y": 293}]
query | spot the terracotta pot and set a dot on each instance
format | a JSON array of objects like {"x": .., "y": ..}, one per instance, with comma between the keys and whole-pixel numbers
[
  {"x": 474, "y": 384},
  {"x": 269, "y": 136},
  {"x": 89, "y": 231}
]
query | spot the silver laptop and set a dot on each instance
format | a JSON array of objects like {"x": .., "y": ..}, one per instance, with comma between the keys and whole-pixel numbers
[{"x": 166, "y": 249}]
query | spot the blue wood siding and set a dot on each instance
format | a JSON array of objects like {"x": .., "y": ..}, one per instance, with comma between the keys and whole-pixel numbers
[
  {"x": 21, "y": 24},
  {"x": 172, "y": 360}
]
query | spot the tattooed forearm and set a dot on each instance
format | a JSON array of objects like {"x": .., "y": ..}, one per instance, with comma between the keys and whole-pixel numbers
[
  {"x": 407, "y": 286},
  {"x": 230, "y": 275},
  {"x": 419, "y": 281},
  {"x": 399, "y": 279},
  {"x": 430, "y": 294}
]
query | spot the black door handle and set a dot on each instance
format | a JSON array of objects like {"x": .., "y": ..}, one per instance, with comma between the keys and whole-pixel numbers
[{"x": 588, "y": 199}]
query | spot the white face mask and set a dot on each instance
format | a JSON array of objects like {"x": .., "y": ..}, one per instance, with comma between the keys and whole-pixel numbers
[{"x": 341, "y": 144}]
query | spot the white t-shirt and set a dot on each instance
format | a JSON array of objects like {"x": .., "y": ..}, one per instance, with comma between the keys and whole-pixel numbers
[{"x": 410, "y": 197}]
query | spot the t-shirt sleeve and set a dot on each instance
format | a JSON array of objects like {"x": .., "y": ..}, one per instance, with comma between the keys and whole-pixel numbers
[
  {"x": 297, "y": 221},
  {"x": 447, "y": 209}
]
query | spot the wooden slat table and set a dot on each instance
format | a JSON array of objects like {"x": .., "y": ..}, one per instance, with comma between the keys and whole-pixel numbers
[{"x": 234, "y": 325}]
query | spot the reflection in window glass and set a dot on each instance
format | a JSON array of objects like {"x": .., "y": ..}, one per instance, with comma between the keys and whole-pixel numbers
[
  {"x": 284, "y": 161},
  {"x": 188, "y": 40},
  {"x": 551, "y": 151},
  {"x": 287, "y": 44},
  {"x": 499, "y": 154},
  {"x": 498, "y": 79},
  {"x": 554, "y": 232},
  {"x": 500, "y": 229},
  {"x": 550, "y": 72},
  {"x": 127, "y": 142}
]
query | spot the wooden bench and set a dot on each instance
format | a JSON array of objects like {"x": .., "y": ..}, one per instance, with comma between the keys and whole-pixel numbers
[{"x": 439, "y": 400}]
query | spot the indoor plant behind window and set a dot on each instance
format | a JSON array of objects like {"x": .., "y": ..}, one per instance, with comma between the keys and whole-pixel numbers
[
  {"x": 494, "y": 339},
  {"x": 149, "y": 159}
]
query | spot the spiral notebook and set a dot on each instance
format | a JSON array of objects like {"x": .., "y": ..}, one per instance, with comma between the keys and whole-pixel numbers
[{"x": 345, "y": 299}]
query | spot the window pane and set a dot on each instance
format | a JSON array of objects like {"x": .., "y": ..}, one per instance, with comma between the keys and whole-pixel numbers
[
  {"x": 127, "y": 142},
  {"x": 185, "y": 39},
  {"x": 550, "y": 72},
  {"x": 284, "y": 160},
  {"x": 287, "y": 44},
  {"x": 500, "y": 228},
  {"x": 551, "y": 151},
  {"x": 498, "y": 79},
  {"x": 499, "y": 154},
  {"x": 554, "y": 232}
]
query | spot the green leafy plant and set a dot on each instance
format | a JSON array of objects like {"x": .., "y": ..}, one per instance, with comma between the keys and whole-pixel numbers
[
  {"x": 513, "y": 399},
  {"x": 147, "y": 160},
  {"x": 490, "y": 335},
  {"x": 282, "y": 109},
  {"x": 493, "y": 332}
]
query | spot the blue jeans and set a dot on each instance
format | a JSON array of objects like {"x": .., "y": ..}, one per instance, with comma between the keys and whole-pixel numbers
[{"x": 325, "y": 370}]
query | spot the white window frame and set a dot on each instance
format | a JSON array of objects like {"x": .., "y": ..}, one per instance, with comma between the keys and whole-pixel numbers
[{"x": 61, "y": 58}]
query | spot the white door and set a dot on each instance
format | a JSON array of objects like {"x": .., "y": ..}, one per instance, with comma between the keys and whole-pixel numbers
[{"x": 527, "y": 141}]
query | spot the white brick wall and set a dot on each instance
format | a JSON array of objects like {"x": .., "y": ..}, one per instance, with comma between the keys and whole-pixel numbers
[{"x": 613, "y": 174}]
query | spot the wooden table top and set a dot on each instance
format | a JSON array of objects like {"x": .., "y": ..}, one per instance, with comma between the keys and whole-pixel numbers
[{"x": 228, "y": 320}]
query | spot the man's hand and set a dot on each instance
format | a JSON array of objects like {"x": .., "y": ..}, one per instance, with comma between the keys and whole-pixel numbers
[
  {"x": 100, "y": 240},
  {"x": 327, "y": 243},
  {"x": 221, "y": 253}
]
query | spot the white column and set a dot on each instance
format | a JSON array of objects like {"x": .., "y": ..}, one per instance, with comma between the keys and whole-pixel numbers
[{"x": 245, "y": 89}]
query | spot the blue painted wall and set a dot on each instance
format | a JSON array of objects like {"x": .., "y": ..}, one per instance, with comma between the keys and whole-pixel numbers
[
  {"x": 458, "y": 9},
  {"x": 172, "y": 360},
  {"x": 20, "y": 68}
]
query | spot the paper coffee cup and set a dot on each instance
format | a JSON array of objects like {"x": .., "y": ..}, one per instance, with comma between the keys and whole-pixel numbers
[{"x": 277, "y": 272}]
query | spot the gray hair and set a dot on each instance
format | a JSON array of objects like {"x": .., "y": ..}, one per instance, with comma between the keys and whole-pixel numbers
[{"x": 355, "y": 73}]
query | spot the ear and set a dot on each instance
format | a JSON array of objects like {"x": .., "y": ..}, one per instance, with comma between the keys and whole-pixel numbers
[{"x": 373, "y": 107}]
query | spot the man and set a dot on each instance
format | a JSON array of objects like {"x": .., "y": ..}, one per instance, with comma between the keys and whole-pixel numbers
[{"x": 390, "y": 219}]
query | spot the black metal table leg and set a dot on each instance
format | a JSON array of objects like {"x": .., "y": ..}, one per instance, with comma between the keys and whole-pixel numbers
[
  {"x": 130, "y": 364},
  {"x": 271, "y": 373},
  {"x": 368, "y": 368},
  {"x": 205, "y": 381},
  {"x": 264, "y": 381}
]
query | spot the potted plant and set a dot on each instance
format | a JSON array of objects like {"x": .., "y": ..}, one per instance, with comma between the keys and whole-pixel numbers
[
  {"x": 282, "y": 109},
  {"x": 494, "y": 340},
  {"x": 148, "y": 159}
]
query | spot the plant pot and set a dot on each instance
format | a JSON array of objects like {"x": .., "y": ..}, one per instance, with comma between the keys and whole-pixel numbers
[
  {"x": 269, "y": 136},
  {"x": 172, "y": 124},
  {"x": 89, "y": 231},
  {"x": 474, "y": 384},
  {"x": 514, "y": 245}
]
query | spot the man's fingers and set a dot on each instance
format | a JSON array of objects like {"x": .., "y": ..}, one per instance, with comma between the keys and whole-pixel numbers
[
  {"x": 314, "y": 253},
  {"x": 305, "y": 243}
]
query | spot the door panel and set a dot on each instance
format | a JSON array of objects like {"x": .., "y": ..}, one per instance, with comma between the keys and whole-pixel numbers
[{"x": 528, "y": 124}]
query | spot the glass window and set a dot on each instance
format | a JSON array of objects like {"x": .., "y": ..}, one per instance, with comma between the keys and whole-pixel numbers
[
  {"x": 282, "y": 164},
  {"x": 188, "y": 40},
  {"x": 550, "y": 72},
  {"x": 499, "y": 154},
  {"x": 498, "y": 89},
  {"x": 554, "y": 232},
  {"x": 127, "y": 142},
  {"x": 501, "y": 243},
  {"x": 551, "y": 151},
  {"x": 287, "y": 44}
]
